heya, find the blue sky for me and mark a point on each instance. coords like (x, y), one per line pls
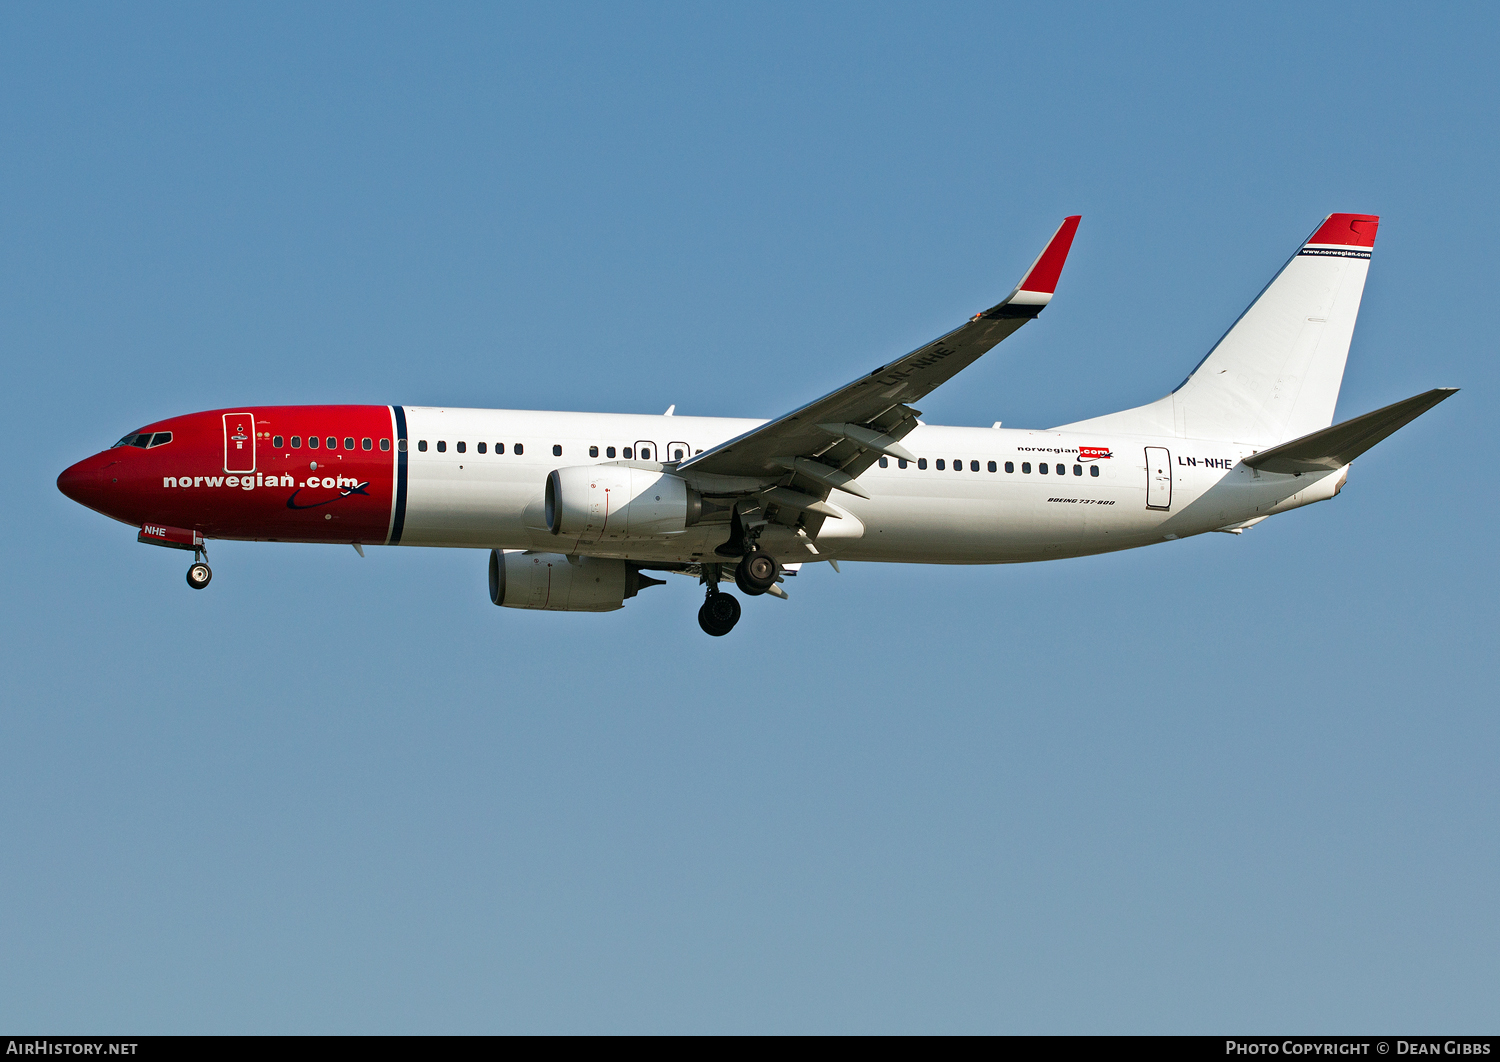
(1231, 783)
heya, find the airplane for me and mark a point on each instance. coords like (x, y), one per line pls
(576, 508)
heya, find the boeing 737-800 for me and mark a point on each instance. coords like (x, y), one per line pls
(575, 508)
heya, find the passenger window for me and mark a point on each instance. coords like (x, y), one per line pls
(1062, 470)
(349, 444)
(974, 466)
(678, 455)
(609, 451)
(993, 467)
(922, 463)
(885, 462)
(645, 453)
(900, 462)
(385, 444)
(1042, 468)
(556, 450)
(499, 448)
(401, 445)
(628, 452)
(365, 444)
(422, 445)
(1026, 467)
(312, 442)
(1093, 470)
(1077, 470)
(518, 449)
(1010, 467)
(333, 444)
(479, 448)
(459, 447)
(296, 442)
(278, 442)
(940, 466)
(593, 451)
(442, 446)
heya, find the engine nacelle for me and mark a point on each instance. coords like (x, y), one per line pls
(556, 583)
(610, 502)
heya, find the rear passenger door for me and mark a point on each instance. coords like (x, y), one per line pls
(1158, 478)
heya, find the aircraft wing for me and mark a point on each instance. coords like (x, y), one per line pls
(828, 442)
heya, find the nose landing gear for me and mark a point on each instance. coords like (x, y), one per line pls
(198, 575)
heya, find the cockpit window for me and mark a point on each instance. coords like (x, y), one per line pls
(161, 438)
(143, 439)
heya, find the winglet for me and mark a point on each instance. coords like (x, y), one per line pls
(1040, 282)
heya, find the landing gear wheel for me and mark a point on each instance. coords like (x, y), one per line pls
(719, 614)
(756, 573)
(199, 575)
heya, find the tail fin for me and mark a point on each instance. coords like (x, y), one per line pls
(1276, 373)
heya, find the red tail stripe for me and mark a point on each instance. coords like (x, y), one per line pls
(1348, 230)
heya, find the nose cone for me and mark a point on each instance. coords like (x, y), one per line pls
(84, 483)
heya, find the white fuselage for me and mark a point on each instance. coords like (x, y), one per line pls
(932, 515)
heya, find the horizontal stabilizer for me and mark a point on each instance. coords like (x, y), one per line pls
(1335, 447)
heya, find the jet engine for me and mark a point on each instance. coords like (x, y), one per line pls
(557, 583)
(609, 502)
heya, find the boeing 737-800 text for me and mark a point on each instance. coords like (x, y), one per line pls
(575, 508)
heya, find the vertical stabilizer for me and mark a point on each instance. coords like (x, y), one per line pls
(1275, 374)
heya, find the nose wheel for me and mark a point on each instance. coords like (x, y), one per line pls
(199, 573)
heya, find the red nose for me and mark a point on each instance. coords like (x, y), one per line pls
(84, 482)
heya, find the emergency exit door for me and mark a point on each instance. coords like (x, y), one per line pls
(239, 442)
(1158, 478)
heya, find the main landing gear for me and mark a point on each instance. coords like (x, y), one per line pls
(199, 573)
(756, 573)
(719, 614)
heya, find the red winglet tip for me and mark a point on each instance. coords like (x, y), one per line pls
(1044, 274)
(1348, 230)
